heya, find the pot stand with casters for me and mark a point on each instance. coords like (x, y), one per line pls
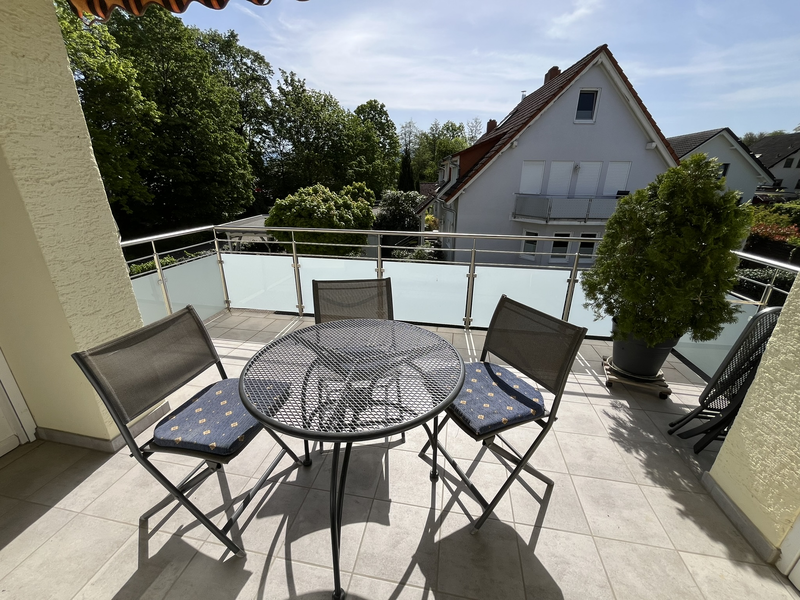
(656, 383)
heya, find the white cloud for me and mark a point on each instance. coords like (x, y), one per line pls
(560, 25)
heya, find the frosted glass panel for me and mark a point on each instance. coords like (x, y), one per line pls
(544, 290)
(428, 293)
(584, 317)
(197, 283)
(708, 356)
(261, 282)
(149, 298)
(331, 268)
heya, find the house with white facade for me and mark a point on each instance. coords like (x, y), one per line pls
(555, 166)
(740, 167)
(781, 155)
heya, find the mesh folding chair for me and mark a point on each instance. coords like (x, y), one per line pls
(723, 395)
(352, 299)
(495, 398)
(135, 372)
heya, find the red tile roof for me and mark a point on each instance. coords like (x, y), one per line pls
(528, 109)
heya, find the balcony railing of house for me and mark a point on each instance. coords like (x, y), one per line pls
(552, 208)
(248, 268)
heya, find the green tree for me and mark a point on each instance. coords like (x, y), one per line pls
(199, 171)
(376, 120)
(406, 181)
(432, 146)
(319, 207)
(398, 211)
(121, 121)
(474, 130)
(750, 138)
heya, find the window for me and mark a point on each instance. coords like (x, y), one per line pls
(723, 172)
(788, 163)
(587, 102)
(529, 246)
(586, 249)
(560, 248)
(532, 177)
(798, 163)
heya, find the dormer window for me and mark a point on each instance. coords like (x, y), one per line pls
(587, 104)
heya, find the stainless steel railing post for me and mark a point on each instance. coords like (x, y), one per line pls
(222, 270)
(573, 278)
(296, 267)
(768, 289)
(470, 287)
(379, 270)
(161, 281)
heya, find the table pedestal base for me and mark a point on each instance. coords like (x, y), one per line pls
(338, 480)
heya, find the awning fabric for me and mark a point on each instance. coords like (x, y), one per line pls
(102, 8)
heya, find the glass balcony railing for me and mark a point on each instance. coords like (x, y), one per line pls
(246, 267)
(550, 208)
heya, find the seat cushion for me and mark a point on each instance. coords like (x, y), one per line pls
(213, 421)
(494, 398)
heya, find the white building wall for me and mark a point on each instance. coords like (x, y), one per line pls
(742, 175)
(616, 135)
(791, 175)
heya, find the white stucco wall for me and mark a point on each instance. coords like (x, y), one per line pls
(758, 466)
(791, 175)
(63, 281)
(742, 175)
(615, 135)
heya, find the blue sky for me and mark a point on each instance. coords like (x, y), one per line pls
(697, 65)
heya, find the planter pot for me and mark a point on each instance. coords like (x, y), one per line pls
(633, 357)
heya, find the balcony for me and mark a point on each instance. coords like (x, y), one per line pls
(544, 209)
(627, 496)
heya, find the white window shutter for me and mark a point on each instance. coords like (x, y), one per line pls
(560, 177)
(588, 177)
(532, 177)
(616, 178)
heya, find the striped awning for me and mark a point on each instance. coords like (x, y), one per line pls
(102, 8)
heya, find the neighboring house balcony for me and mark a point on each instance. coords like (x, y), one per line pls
(544, 209)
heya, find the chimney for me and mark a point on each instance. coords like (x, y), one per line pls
(552, 74)
(491, 124)
(523, 95)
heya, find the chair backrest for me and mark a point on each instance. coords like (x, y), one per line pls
(352, 299)
(739, 366)
(538, 345)
(134, 372)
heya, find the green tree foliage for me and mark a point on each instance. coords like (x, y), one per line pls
(398, 211)
(319, 207)
(121, 121)
(198, 172)
(750, 138)
(313, 139)
(406, 181)
(429, 148)
(665, 265)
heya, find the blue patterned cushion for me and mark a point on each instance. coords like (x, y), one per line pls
(214, 421)
(494, 398)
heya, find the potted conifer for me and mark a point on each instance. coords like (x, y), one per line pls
(664, 266)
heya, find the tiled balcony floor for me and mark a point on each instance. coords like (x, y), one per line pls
(627, 518)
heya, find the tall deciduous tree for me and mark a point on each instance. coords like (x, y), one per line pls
(199, 171)
(406, 181)
(398, 211)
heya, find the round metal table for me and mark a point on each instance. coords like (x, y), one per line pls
(350, 381)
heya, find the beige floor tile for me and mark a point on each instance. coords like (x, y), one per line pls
(406, 479)
(548, 456)
(579, 418)
(561, 565)
(364, 588)
(405, 533)
(69, 558)
(32, 470)
(487, 477)
(7, 504)
(18, 452)
(24, 528)
(479, 566)
(367, 469)
(619, 511)
(658, 465)
(208, 575)
(639, 572)
(722, 579)
(593, 456)
(629, 425)
(560, 510)
(696, 524)
(302, 581)
(309, 537)
(143, 568)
